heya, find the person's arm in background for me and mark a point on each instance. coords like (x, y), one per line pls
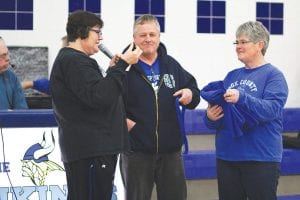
(41, 85)
(27, 84)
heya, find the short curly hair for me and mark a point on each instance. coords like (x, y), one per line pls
(256, 32)
(79, 24)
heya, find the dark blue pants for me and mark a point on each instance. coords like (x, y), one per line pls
(91, 178)
(141, 171)
(242, 180)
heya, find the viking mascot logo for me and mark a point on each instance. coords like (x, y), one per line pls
(35, 163)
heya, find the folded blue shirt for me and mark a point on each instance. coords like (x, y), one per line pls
(236, 120)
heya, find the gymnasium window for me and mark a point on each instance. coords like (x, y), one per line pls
(211, 16)
(271, 15)
(154, 7)
(93, 6)
(16, 15)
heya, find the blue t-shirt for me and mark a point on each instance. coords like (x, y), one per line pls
(152, 73)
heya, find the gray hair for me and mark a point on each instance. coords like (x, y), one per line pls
(256, 32)
(146, 19)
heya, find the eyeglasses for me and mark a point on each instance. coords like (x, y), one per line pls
(241, 42)
(99, 32)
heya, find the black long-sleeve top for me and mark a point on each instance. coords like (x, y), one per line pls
(88, 107)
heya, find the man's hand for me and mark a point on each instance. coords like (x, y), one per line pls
(186, 96)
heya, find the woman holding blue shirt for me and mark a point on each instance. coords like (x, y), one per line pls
(248, 162)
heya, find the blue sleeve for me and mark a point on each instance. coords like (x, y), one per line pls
(274, 97)
(42, 85)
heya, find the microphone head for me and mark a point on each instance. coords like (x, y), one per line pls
(105, 50)
(102, 46)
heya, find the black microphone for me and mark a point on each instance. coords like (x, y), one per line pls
(12, 66)
(105, 50)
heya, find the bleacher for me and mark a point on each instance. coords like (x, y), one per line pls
(201, 164)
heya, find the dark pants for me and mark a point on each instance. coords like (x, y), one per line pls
(140, 172)
(239, 180)
(92, 178)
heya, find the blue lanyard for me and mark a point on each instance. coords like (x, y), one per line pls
(180, 110)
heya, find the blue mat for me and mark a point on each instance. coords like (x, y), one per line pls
(201, 164)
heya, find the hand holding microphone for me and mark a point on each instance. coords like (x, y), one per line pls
(105, 51)
(131, 56)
